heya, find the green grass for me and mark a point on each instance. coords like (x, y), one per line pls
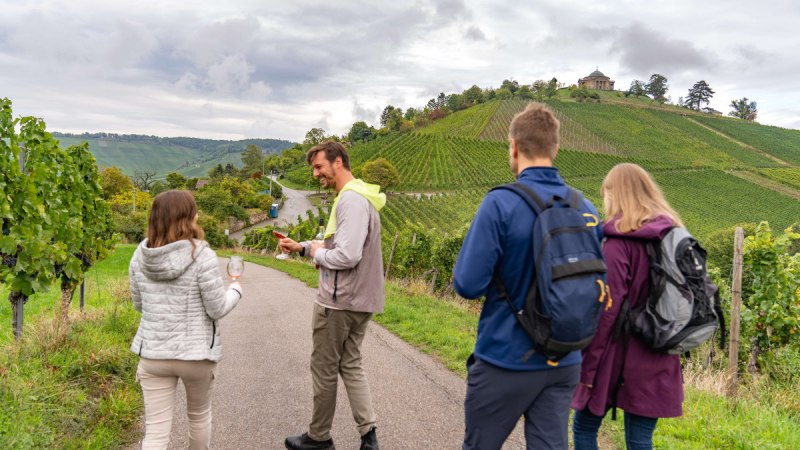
(468, 123)
(77, 389)
(573, 135)
(435, 163)
(709, 200)
(643, 133)
(711, 421)
(787, 176)
(779, 142)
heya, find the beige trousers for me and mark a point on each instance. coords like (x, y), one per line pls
(159, 380)
(337, 337)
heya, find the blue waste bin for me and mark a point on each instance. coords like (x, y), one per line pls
(273, 211)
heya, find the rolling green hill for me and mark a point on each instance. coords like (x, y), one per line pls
(437, 163)
(191, 157)
(698, 159)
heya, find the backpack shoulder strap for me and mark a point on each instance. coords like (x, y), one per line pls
(574, 198)
(531, 198)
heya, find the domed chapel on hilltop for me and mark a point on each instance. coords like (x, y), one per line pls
(597, 80)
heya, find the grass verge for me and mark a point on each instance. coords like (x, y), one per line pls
(72, 388)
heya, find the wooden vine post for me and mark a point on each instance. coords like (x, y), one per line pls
(736, 305)
(391, 255)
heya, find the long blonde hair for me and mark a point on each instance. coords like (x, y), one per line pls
(172, 218)
(632, 197)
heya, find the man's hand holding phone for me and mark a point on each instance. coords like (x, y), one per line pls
(288, 245)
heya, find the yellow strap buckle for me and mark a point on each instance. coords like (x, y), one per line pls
(602, 291)
(594, 222)
(552, 363)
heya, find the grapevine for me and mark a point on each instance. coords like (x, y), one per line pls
(56, 204)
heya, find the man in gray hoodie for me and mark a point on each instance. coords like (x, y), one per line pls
(350, 291)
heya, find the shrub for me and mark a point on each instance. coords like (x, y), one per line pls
(131, 226)
(719, 246)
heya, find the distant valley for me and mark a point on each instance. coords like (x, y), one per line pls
(191, 157)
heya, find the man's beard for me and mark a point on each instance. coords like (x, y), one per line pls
(513, 164)
(329, 182)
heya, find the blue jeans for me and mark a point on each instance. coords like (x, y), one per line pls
(638, 431)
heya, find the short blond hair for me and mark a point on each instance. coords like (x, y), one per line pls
(631, 196)
(535, 131)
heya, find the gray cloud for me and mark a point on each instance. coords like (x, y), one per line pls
(263, 68)
(644, 50)
(474, 33)
(366, 114)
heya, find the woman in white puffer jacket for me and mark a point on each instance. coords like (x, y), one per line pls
(177, 286)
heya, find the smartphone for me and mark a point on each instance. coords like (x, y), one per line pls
(278, 234)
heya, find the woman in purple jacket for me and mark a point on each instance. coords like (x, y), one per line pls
(636, 211)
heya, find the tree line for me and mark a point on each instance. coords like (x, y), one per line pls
(699, 94)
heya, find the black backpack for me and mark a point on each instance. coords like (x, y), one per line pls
(568, 292)
(683, 308)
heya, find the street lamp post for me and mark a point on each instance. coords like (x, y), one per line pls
(264, 172)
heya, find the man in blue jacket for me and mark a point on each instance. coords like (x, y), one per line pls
(504, 381)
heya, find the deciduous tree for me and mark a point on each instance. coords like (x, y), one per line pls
(113, 181)
(473, 95)
(391, 118)
(144, 178)
(381, 172)
(361, 132)
(510, 85)
(637, 89)
(252, 158)
(314, 136)
(744, 109)
(552, 88)
(176, 181)
(657, 87)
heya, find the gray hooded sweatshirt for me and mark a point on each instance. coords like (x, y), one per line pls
(181, 295)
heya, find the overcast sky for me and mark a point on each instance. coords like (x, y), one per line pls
(274, 69)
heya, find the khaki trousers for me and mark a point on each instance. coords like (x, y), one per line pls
(159, 380)
(337, 337)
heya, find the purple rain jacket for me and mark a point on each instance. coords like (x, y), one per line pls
(653, 381)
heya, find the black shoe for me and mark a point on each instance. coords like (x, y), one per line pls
(303, 442)
(369, 441)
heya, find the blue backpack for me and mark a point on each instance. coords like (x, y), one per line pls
(568, 292)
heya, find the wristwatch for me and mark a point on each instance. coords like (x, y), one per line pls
(302, 250)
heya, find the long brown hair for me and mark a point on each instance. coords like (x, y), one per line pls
(172, 218)
(631, 196)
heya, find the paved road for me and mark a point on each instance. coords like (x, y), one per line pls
(263, 386)
(295, 203)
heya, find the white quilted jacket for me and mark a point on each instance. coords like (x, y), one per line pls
(181, 299)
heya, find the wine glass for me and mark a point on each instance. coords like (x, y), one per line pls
(235, 267)
(280, 234)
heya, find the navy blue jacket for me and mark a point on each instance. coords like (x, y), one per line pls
(500, 239)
